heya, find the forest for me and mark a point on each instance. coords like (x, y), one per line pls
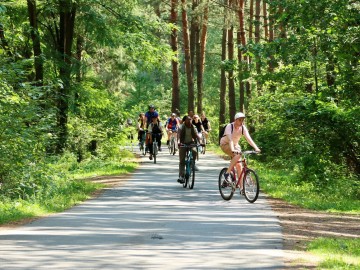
(73, 71)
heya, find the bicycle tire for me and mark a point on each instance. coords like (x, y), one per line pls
(154, 151)
(203, 150)
(191, 180)
(226, 190)
(170, 147)
(173, 147)
(186, 177)
(251, 186)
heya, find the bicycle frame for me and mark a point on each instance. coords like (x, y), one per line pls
(247, 181)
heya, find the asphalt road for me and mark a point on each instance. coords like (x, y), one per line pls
(152, 222)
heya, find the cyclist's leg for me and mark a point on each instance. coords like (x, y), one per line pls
(234, 158)
(169, 134)
(182, 154)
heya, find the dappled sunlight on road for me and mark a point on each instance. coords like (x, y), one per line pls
(151, 221)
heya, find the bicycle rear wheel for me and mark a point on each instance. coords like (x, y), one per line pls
(203, 142)
(226, 189)
(191, 180)
(251, 185)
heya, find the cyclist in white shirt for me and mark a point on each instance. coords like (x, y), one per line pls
(229, 143)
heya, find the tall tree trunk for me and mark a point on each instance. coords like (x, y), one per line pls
(232, 100)
(38, 63)
(194, 34)
(241, 58)
(67, 11)
(175, 104)
(257, 41)
(265, 19)
(201, 59)
(189, 76)
(251, 19)
(222, 105)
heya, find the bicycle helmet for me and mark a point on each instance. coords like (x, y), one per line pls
(151, 107)
(239, 115)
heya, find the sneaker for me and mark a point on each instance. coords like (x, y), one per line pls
(159, 149)
(181, 180)
(196, 168)
(150, 157)
(242, 192)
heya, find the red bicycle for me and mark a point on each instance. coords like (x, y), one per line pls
(249, 178)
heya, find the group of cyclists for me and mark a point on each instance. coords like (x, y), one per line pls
(190, 129)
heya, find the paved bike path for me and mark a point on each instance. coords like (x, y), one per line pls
(152, 222)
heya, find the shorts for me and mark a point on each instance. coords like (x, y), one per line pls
(227, 150)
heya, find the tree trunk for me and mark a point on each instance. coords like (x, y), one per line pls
(257, 41)
(241, 59)
(201, 59)
(175, 104)
(222, 105)
(194, 35)
(38, 63)
(265, 19)
(67, 12)
(232, 100)
(189, 76)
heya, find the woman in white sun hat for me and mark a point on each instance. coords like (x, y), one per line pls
(229, 143)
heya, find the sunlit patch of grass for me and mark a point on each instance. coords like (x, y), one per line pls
(337, 253)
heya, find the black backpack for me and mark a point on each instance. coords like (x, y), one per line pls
(222, 131)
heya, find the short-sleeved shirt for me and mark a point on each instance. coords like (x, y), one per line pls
(172, 123)
(197, 125)
(205, 123)
(155, 128)
(235, 134)
(150, 115)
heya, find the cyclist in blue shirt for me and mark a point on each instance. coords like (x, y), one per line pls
(172, 125)
(150, 114)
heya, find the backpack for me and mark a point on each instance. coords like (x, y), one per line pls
(222, 131)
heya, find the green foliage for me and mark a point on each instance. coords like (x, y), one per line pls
(338, 253)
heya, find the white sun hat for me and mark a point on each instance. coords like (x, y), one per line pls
(239, 115)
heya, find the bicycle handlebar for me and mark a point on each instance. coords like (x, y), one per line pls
(248, 152)
(191, 145)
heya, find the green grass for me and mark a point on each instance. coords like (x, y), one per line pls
(58, 187)
(336, 253)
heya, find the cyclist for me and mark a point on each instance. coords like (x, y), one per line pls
(206, 125)
(198, 124)
(155, 130)
(229, 143)
(141, 126)
(187, 135)
(150, 114)
(171, 126)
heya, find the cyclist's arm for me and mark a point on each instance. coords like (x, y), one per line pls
(249, 139)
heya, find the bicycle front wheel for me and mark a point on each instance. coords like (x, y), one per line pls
(173, 149)
(155, 151)
(226, 189)
(251, 185)
(191, 180)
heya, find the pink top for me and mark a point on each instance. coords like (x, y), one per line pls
(235, 137)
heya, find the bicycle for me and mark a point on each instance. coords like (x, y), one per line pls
(155, 149)
(173, 144)
(189, 178)
(142, 143)
(248, 177)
